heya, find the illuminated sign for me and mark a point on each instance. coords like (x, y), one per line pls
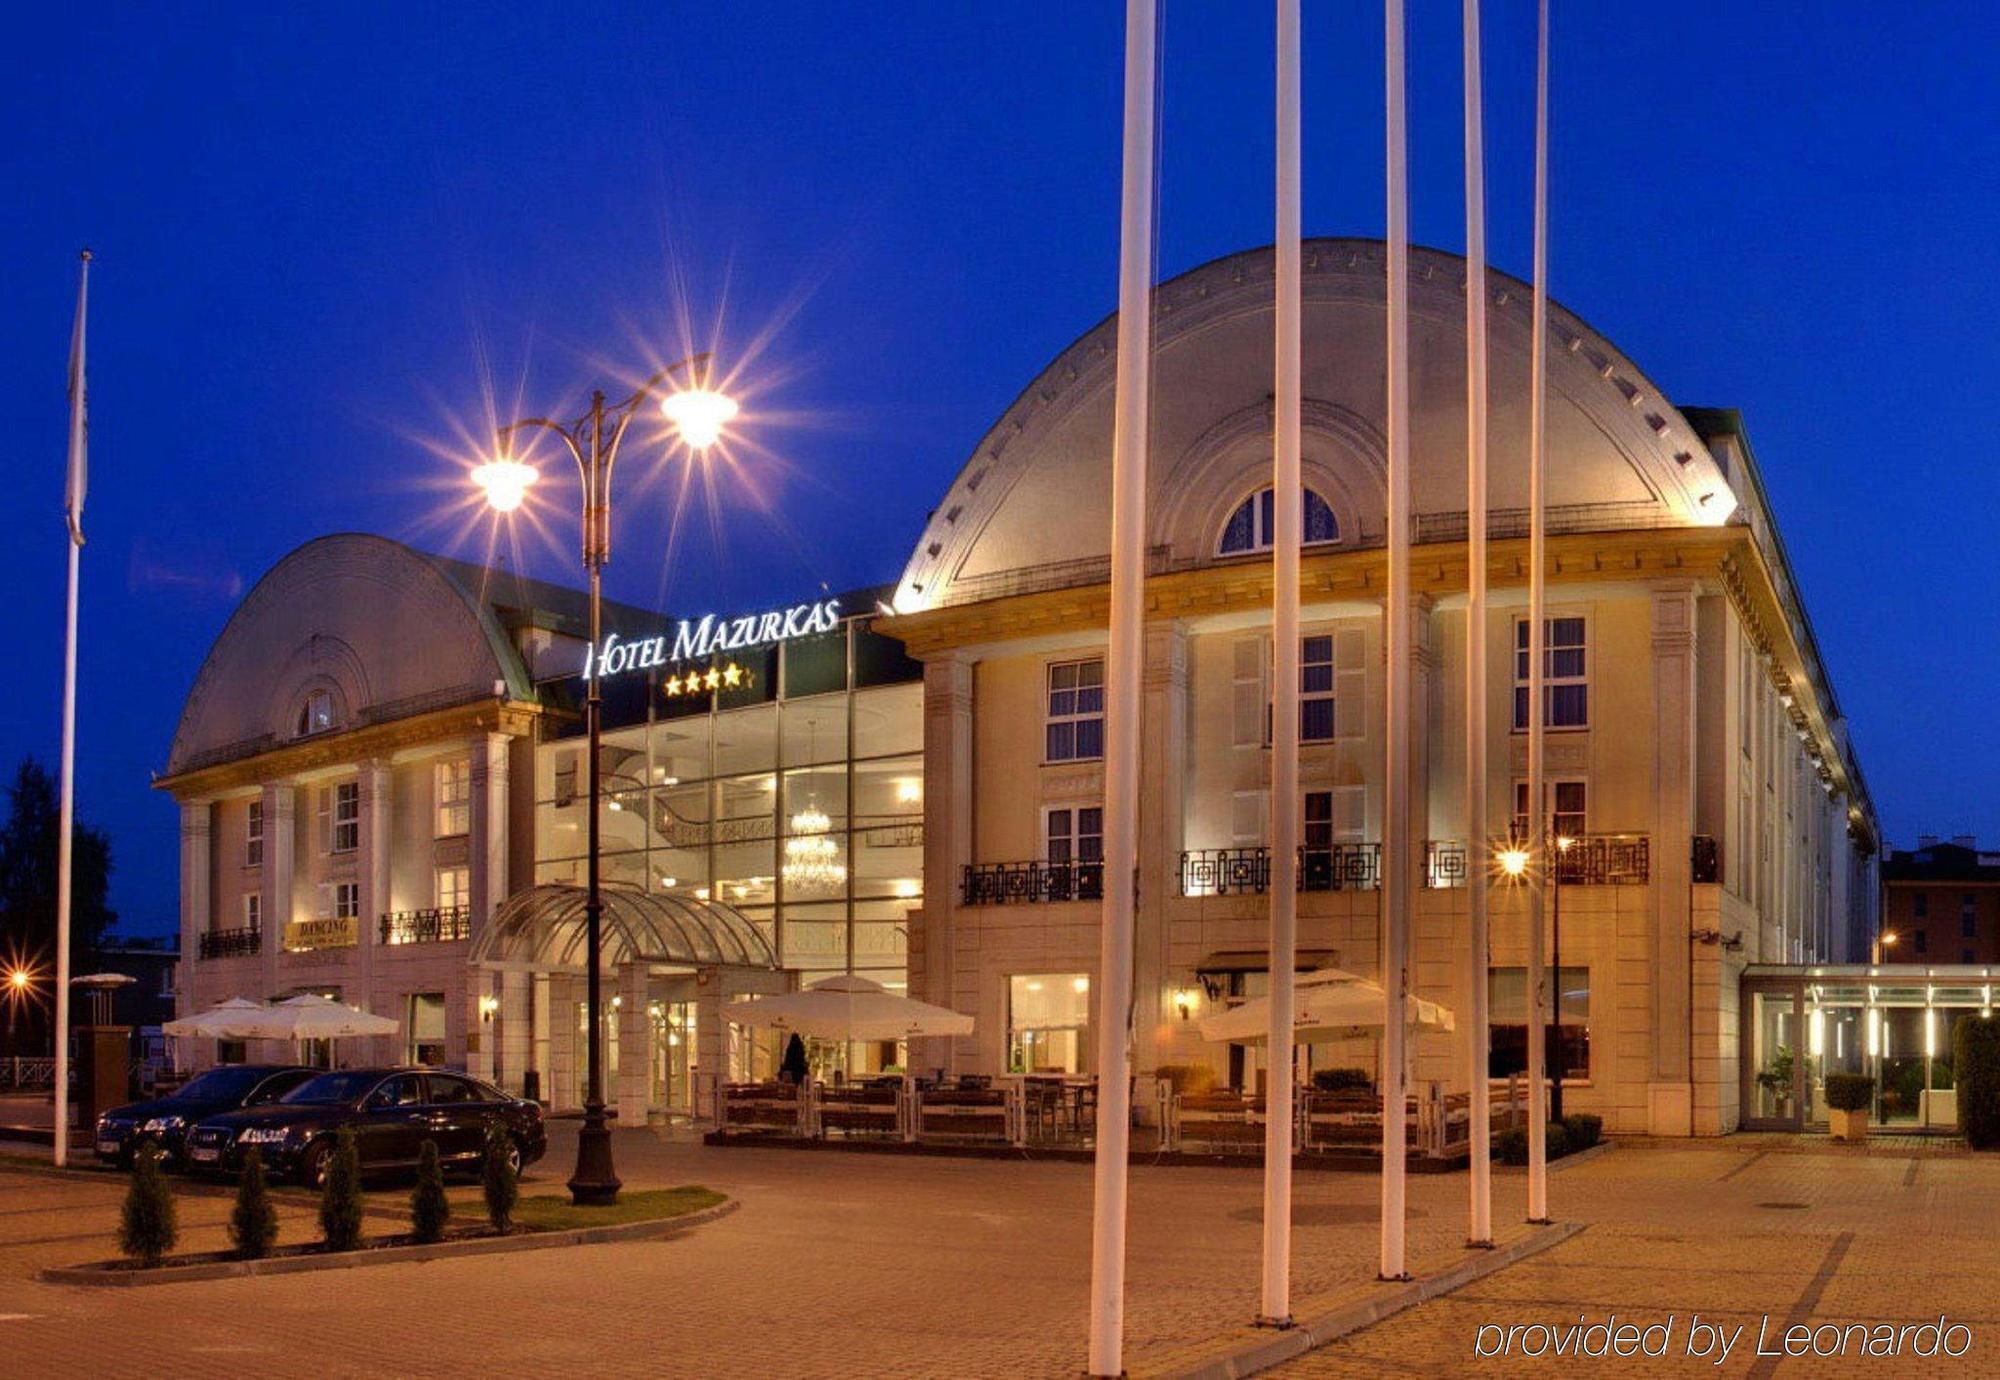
(708, 635)
(325, 932)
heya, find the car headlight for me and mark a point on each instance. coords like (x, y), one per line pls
(164, 1123)
(264, 1135)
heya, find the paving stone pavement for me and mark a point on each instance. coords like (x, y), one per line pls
(844, 1265)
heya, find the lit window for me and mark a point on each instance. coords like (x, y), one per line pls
(1566, 662)
(454, 888)
(452, 783)
(1048, 1015)
(1250, 527)
(316, 714)
(253, 835)
(1076, 711)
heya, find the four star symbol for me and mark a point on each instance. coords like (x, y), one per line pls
(695, 682)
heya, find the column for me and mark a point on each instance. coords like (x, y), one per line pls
(540, 1058)
(378, 815)
(629, 1096)
(1162, 779)
(197, 915)
(277, 880)
(560, 1089)
(948, 767)
(1671, 1095)
(711, 1042)
(482, 1021)
(516, 1030)
(489, 826)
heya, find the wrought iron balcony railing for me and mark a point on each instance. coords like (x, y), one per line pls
(241, 943)
(437, 925)
(1605, 860)
(1026, 883)
(1240, 871)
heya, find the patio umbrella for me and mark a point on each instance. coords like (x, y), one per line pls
(1328, 1005)
(849, 1008)
(217, 1022)
(313, 1017)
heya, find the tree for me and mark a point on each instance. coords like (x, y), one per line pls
(146, 1226)
(498, 1180)
(340, 1201)
(430, 1209)
(253, 1223)
(28, 847)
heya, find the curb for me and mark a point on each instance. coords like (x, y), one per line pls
(1603, 1147)
(658, 1229)
(1309, 1336)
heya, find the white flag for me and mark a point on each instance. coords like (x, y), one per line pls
(79, 424)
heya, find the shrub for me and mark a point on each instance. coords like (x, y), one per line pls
(497, 1179)
(1849, 1092)
(1511, 1147)
(1342, 1080)
(253, 1222)
(1189, 1080)
(1585, 1130)
(430, 1210)
(340, 1202)
(146, 1229)
(1975, 1055)
(1558, 1141)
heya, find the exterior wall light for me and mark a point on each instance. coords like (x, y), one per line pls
(1184, 1000)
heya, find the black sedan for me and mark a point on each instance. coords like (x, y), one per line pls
(393, 1112)
(164, 1121)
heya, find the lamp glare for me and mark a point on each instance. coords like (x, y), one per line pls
(699, 415)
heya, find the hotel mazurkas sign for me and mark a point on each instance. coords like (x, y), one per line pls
(697, 639)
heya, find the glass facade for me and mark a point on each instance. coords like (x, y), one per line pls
(788, 784)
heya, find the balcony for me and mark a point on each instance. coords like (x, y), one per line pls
(1342, 867)
(437, 925)
(243, 943)
(1605, 860)
(1029, 883)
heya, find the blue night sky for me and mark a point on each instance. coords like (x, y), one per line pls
(332, 240)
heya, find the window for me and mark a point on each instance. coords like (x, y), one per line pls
(1318, 832)
(1968, 926)
(253, 835)
(1567, 806)
(451, 782)
(1251, 526)
(1316, 689)
(253, 911)
(1047, 1015)
(423, 1014)
(1920, 904)
(1507, 994)
(1922, 941)
(453, 888)
(1075, 834)
(315, 715)
(1076, 711)
(1566, 666)
(404, 1090)
(445, 1089)
(347, 900)
(346, 817)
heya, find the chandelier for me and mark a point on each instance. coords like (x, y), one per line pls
(812, 856)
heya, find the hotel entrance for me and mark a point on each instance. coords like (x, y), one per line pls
(1891, 1023)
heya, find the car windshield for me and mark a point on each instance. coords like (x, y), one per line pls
(332, 1088)
(222, 1085)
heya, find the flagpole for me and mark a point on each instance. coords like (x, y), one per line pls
(1122, 675)
(1287, 506)
(1477, 845)
(64, 880)
(1538, 819)
(1396, 868)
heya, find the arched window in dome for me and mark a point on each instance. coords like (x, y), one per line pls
(1250, 527)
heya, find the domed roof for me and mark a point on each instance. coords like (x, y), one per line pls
(1034, 498)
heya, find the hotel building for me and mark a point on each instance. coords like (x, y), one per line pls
(378, 767)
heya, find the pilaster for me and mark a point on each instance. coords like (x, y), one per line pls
(516, 1030)
(489, 827)
(1162, 781)
(633, 1054)
(377, 784)
(948, 804)
(197, 902)
(1673, 647)
(278, 881)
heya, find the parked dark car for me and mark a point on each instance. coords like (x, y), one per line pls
(164, 1121)
(393, 1112)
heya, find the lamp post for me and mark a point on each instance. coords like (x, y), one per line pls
(1885, 940)
(697, 414)
(1561, 1061)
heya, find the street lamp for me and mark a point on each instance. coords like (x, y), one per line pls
(1563, 844)
(1885, 941)
(697, 414)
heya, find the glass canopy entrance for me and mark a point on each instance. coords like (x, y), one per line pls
(1890, 1022)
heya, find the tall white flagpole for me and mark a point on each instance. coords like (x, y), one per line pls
(1122, 709)
(76, 476)
(1476, 833)
(1287, 506)
(1396, 866)
(1539, 839)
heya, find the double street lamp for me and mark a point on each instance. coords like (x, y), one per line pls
(697, 414)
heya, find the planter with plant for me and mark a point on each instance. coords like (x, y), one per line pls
(1848, 1096)
(1777, 1081)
